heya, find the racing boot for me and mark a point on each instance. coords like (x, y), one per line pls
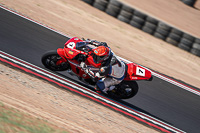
(97, 89)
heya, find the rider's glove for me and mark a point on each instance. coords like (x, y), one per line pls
(83, 65)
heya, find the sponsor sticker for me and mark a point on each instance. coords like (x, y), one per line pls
(70, 52)
(95, 51)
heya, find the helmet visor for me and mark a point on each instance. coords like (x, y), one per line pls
(99, 59)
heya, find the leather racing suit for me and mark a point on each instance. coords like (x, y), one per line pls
(111, 72)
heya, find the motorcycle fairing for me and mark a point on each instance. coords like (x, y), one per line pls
(61, 53)
(136, 72)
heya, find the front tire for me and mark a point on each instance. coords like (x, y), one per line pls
(49, 60)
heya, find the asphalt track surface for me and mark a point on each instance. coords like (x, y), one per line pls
(158, 98)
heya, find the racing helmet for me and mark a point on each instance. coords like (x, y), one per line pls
(101, 54)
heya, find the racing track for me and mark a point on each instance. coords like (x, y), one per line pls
(160, 99)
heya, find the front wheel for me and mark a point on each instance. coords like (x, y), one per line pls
(50, 59)
(125, 90)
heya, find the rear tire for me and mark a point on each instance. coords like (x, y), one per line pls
(49, 60)
(126, 90)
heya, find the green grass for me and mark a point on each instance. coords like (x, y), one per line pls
(12, 121)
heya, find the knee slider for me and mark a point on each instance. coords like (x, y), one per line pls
(100, 85)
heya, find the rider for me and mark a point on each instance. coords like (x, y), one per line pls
(111, 71)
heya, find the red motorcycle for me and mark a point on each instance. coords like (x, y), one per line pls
(76, 50)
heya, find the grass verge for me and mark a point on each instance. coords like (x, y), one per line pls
(12, 121)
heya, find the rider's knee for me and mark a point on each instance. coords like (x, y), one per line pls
(100, 85)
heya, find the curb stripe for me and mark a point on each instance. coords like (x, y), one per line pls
(116, 106)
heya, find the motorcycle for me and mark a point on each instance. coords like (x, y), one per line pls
(76, 51)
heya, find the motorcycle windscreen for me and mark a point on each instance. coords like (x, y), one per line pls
(81, 45)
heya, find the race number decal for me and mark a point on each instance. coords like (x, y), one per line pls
(71, 45)
(140, 71)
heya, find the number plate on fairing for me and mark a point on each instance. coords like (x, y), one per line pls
(140, 71)
(71, 45)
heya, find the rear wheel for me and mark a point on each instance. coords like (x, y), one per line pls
(124, 90)
(50, 59)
